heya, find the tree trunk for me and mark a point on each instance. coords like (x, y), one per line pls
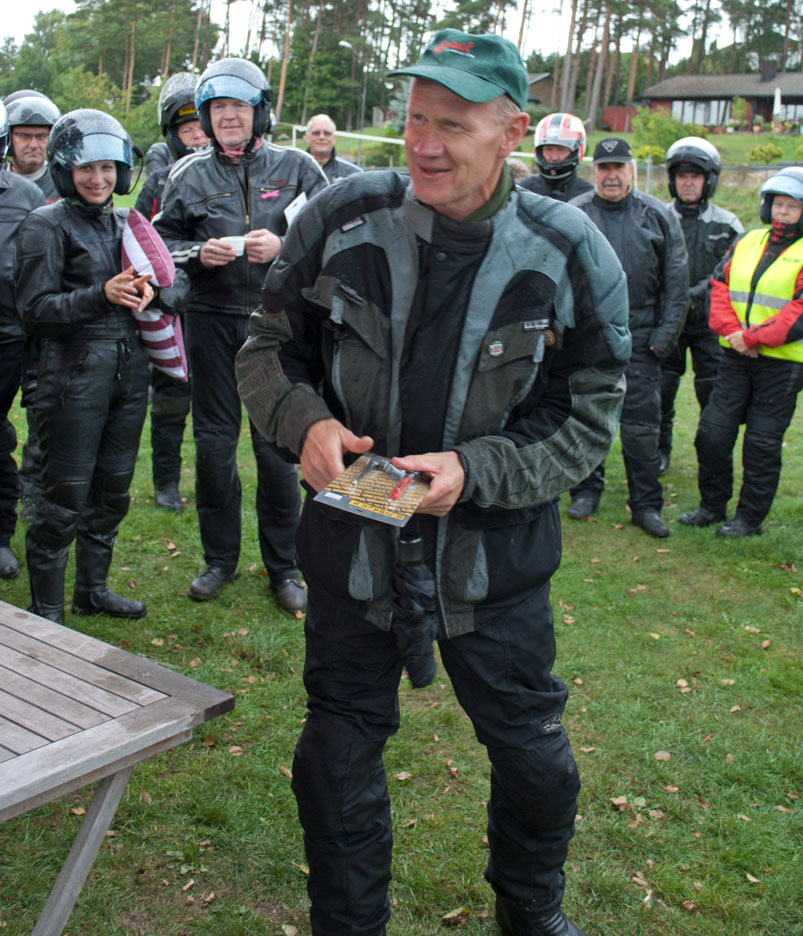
(567, 60)
(313, 50)
(631, 78)
(613, 66)
(285, 59)
(572, 93)
(524, 16)
(787, 26)
(129, 78)
(600, 69)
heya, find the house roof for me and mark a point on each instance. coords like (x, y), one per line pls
(726, 86)
(535, 77)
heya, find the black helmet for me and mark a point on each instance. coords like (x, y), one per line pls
(177, 106)
(85, 136)
(696, 154)
(789, 181)
(3, 130)
(559, 130)
(234, 78)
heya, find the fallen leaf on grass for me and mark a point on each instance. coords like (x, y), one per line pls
(188, 885)
(158, 642)
(743, 817)
(751, 630)
(409, 824)
(753, 880)
(734, 708)
(702, 802)
(783, 809)
(301, 867)
(235, 751)
(568, 619)
(145, 797)
(403, 775)
(727, 682)
(456, 917)
(78, 811)
(578, 681)
(657, 814)
(588, 750)
(194, 663)
(286, 772)
(209, 740)
(765, 644)
(289, 930)
(671, 789)
(209, 898)
(619, 802)
(189, 900)
(665, 550)
(662, 755)
(788, 566)
(689, 905)
(132, 584)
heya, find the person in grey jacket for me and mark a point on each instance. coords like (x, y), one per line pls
(321, 136)
(648, 241)
(18, 197)
(224, 213)
(692, 171)
(480, 332)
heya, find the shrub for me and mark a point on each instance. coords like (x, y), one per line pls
(765, 153)
(739, 110)
(693, 129)
(658, 155)
(656, 128)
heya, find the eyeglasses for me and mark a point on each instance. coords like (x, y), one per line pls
(317, 133)
(26, 137)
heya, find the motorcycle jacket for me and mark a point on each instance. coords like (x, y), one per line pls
(708, 231)
(65, 254)
(564, 189)
(18, 197)
(504, 340)
(648, 241)
(207, 195)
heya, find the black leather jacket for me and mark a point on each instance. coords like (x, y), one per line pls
(18, 197)
(708, 230)
(206, 195)
(65, 254)
(563, 189)
(648, 241)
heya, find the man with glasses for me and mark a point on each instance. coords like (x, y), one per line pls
(321, 136)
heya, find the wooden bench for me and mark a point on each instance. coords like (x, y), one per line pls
(74, 710)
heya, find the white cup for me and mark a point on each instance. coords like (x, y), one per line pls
(237, 241)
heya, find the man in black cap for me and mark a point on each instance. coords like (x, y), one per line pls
(480, 332)
(648, 240)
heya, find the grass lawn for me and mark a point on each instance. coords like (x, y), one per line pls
(689, 646)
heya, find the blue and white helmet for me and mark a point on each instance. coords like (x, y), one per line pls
(788, 181)
(234, 78)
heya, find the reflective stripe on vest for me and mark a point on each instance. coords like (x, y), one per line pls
(774, 289)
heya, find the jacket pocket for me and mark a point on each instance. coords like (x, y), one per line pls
(497, 556)
(505, 371)
(360, 365)
(346, 555)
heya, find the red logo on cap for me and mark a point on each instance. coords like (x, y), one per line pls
(453, 45)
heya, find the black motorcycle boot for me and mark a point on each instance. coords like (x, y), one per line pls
(518, 920)
(92, 595)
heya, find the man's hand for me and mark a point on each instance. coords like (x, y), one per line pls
(737, 342)
(216, 253)
(261, 246)
(324, 446)
(447, 479)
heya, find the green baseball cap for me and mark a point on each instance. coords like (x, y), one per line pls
(475, 68)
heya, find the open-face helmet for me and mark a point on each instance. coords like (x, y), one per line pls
(789, 181)
(695, 155)
(234, 78)
(560, 130)
(27, 108)
(83, 136)
(177, 106)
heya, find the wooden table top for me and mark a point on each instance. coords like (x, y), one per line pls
(74, 709)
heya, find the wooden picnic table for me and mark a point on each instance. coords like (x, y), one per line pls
(73, 710)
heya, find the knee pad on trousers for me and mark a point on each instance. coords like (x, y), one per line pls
(639, 440)
(541, 786)
(54, 526)
(8, 437)
(338, 779)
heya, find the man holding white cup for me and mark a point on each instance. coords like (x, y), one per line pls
(224, 213)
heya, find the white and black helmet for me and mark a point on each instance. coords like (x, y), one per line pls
(84, 136)
(239, 79)
(3, 130)
(27, 108)
(177, 106)
(560, 130)
(694, 154)
(788, 181)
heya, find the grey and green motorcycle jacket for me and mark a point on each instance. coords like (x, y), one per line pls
(532, 382)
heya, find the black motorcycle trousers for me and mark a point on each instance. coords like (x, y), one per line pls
(502, 677)
(212, 345)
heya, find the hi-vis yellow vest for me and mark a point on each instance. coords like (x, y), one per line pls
(773, 290)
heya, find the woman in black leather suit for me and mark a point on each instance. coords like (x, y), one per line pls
(73, 292)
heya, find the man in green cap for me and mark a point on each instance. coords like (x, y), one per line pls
(477, 335)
